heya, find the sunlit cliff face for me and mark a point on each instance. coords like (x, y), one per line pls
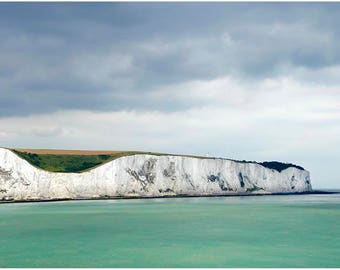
(147, 176)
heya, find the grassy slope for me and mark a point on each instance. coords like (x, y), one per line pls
(79, 163)
(68, 163)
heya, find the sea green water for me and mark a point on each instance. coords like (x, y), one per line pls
(261, 231)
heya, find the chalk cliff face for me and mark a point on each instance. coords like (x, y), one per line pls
(144, 176)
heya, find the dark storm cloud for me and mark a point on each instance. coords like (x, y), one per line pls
(113, 56)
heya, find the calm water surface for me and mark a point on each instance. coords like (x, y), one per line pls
(265, 231)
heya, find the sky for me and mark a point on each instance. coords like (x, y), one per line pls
(247, 81)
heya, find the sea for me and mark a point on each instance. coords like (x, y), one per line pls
(247, 231)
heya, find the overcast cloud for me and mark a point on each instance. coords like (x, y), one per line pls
(239, 80)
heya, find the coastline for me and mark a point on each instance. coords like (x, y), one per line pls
(314, 192)
(134, 177)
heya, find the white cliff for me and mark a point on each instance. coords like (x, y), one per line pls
(146, 176)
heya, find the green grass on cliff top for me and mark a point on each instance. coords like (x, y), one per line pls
(70, 163)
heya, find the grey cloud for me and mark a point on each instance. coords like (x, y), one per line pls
(113, 56)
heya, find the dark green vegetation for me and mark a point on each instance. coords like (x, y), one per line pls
(274, 165)
(279, 166)
(80, 163)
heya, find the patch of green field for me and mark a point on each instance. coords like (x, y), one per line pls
(68, 163)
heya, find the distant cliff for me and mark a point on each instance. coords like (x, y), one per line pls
(144, 175)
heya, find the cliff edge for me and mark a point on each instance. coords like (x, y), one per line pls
(146, 175)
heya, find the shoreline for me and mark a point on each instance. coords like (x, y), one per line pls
(314, 192)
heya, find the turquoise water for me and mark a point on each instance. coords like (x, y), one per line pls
(261, 231)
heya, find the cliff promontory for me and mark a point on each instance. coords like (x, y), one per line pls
(148, 175)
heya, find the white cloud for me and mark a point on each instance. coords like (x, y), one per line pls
(101, 67)
(273, 119)
(227, 39)
(284, 97)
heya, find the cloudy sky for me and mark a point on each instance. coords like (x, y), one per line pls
(239, 80)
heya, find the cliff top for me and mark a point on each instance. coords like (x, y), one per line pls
(54, 160)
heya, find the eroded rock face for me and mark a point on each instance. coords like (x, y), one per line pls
(223, 184)
(146, 175)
